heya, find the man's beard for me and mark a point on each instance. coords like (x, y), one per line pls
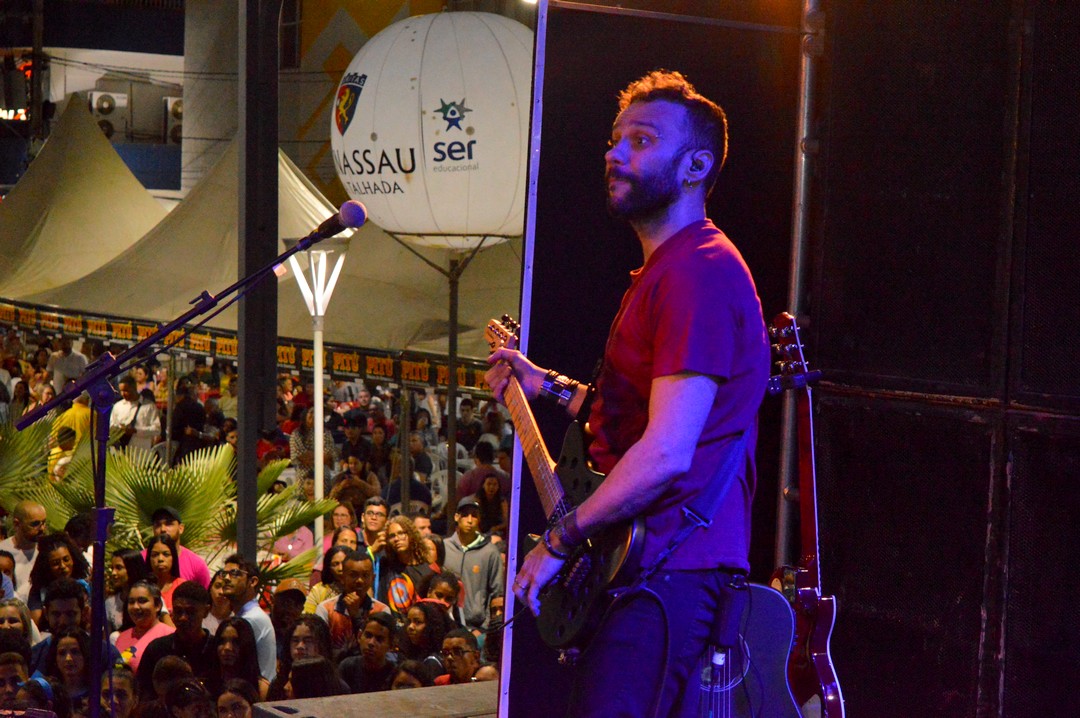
(646, 196)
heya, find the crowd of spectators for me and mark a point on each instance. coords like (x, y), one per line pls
(404, 595)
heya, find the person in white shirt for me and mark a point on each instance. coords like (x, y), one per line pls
(140, 420)
(28, 521)
(65, 365)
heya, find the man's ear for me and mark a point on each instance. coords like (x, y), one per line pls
(701, 163)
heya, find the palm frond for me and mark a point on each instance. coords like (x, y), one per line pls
(202, 483)
(132, 478)
(23, 459)
(299, 566)
(286, 519)
(269, 474)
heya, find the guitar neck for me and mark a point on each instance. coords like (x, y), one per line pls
(808, 517)
(532, 445)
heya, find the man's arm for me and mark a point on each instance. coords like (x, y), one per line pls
(678, 408)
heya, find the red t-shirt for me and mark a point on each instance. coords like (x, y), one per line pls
(692, 307)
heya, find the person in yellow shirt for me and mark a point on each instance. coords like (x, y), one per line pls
(76, 418)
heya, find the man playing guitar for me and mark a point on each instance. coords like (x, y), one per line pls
(685, 370)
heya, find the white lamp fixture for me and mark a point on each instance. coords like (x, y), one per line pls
(317, 293)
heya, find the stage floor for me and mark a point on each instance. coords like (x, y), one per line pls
(472, 700)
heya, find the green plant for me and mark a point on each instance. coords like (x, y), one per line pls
(201, 488)
(23, 456)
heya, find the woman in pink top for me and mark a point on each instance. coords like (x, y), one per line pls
(143, 606)
(163, 561)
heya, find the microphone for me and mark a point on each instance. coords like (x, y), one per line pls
(352, 215)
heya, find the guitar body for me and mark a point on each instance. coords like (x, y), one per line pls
(810, 669)
(768, 629)
(572, 604)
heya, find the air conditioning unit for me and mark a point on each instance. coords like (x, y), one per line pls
(110, 110)
(174, 119)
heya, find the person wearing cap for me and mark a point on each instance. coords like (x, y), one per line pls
(288, 606)
(472, 556)
(190, 641)
(166, 520)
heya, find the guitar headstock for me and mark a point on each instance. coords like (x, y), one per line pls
(501, 333)
(794, 370)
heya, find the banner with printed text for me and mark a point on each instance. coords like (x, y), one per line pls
(294, 356)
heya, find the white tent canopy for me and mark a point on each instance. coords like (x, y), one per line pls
(76, 208)
(386, 298)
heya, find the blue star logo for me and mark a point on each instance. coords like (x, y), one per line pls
(453, 112)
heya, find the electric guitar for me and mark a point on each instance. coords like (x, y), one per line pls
(571, 605)
(810, 669)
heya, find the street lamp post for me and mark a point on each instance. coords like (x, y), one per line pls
(317, 293)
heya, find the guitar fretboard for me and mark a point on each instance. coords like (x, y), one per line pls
(536, 454)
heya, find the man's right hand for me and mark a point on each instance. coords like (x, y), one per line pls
(353, 602)
(379, 542)
(502, 362)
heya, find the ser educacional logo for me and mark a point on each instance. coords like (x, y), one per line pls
(452, 112)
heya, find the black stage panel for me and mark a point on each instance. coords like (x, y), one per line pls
(904, 493)
(918, 98)
(1042, 675)
(1047, 264)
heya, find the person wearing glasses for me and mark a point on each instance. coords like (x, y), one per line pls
(461, 654)
(29, 526)
(242, 589)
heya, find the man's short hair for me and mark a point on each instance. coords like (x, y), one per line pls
(485, 452)
(385, 620)
(708, 123)
(466, 402)
(64, 588)
(466, 634)
(377, 501)
(192, 591)
(246, 566)
(80, 528)
(356, 555)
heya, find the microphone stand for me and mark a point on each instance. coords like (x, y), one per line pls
(95, 381)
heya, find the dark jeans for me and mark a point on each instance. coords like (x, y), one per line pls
(622, 670)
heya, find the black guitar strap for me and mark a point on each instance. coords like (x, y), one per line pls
(702, 510)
